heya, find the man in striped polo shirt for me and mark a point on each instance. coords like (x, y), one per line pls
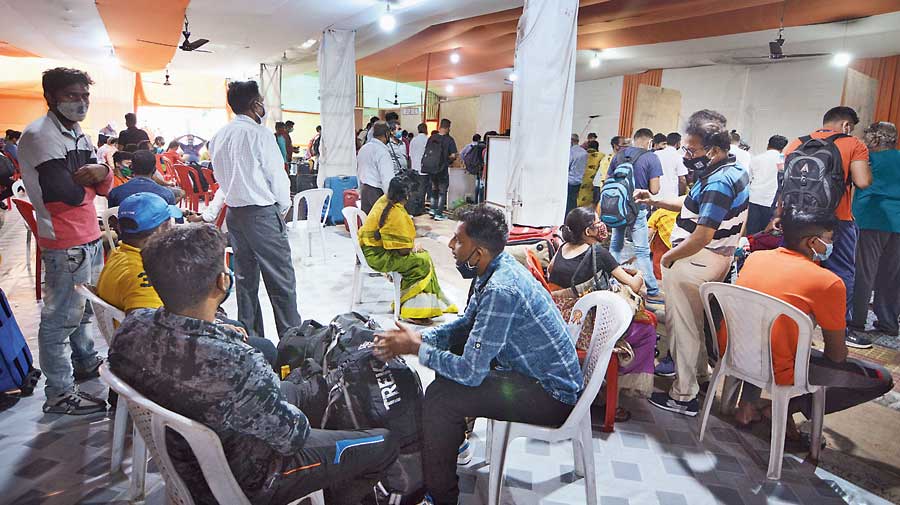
(706, 234)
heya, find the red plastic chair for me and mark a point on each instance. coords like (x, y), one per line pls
(210, 180)
(185, 180)
(220, 219)
(27, 211)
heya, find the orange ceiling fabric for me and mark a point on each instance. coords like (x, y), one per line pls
(488, 42)
(630, 86)
(505, 111)
(887, 71)
(7, 49)
(158, 21)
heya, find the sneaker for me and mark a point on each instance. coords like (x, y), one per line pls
(665, 402)
(74, 403)
(88, 373)
(665, 368)
(656, 299)
(439, 217)
(858, 340)
(464, 457)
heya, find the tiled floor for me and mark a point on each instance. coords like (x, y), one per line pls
(653, 459)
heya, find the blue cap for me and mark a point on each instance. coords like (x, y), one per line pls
(147, 210)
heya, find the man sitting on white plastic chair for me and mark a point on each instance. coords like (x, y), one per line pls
(791, 274)
(180, 358)
(511, 320)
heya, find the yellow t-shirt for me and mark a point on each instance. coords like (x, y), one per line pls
(123, 282)
(663, 221)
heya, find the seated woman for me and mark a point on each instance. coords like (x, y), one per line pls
(582, 259)
(387, 239)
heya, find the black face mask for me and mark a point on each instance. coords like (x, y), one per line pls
(697, 164)
(466, 270)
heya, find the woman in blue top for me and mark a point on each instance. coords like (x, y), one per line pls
(877, 213)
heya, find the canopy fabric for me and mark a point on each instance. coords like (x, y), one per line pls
(159, 22)
(337, 92)
(7, 49)
(270, 89)
(543, 98)
(629, 97)
(190, 90)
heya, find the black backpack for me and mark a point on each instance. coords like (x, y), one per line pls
(617, 205)
(362, 392)
(433, 159)
(813, 178)
(474, 159)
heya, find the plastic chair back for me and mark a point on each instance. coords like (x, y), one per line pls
(612, 317)
(18, 186)
(106, 314)
(106, 227)
(26, 209)
(318, 203)
(354, 217)
(749, 316)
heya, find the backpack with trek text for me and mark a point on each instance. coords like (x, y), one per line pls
(474, 159)
(813, 178)
(433, 159)
(617, 206)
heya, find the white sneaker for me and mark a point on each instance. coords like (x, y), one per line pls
(465, 454)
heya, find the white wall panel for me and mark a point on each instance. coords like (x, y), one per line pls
(603, 97)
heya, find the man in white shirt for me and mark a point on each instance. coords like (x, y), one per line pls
(250, 170)
(674, 178)
(742, 156)
(374, 167)
(764, 183)
(418, 192)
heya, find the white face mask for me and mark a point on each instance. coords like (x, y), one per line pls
(73, 111)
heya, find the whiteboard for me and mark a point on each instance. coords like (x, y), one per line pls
(498, 162)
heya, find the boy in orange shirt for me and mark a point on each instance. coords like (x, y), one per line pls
(820, 294)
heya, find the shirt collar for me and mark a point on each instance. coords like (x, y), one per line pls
(186, 325)
(245, 119)
(62, 129)
(492, 267)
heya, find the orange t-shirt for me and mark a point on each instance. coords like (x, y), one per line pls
(852, 149)
(797, 280)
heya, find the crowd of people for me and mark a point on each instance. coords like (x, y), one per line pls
(695, 200)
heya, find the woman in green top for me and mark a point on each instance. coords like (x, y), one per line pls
(877, 213)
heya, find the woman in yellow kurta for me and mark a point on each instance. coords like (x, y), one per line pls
(388, 242)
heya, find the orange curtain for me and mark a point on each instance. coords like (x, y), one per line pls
(629, 96)
(505, 111)
(887, 71)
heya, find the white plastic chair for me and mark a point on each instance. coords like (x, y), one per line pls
(106, 316)
(152, 421)
(18, 186)
(749, 316)
(105, 229)
(354, 216)
(612, 320)
(318, 202)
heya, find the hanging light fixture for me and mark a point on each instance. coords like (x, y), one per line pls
(513, 77)
(387, 21)
(842, 58)
(449, 88)
(596, 60)
(454, 57)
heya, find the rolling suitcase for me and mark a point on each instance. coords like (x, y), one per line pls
(339, 184)
(351, 196)
(16, 365)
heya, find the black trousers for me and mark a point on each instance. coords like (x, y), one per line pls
(504, 395)
(368, 195)
(571, 197)
(758, 218)
(346, 464)
(878, 269)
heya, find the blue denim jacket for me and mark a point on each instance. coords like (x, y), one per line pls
(512, 318)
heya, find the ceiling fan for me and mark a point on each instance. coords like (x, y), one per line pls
(776, 47)
(396, 101)
(165, 83)
(187, 45)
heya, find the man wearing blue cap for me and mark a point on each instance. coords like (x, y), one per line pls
(123, 282)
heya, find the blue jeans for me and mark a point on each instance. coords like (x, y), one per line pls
(843, 260)
(65, 315)
(641, 238)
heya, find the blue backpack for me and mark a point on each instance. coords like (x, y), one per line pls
(617, 206)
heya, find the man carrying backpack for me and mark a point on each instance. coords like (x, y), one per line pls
(645, 172)
(473, 157)
(846, 164)
(440, 151)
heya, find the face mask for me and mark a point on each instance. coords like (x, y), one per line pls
(829, 248)
(466, 270)
(697, 164)
(126, 171)
(261, 118)
(398, 135)
(230, 285)
(73, 111)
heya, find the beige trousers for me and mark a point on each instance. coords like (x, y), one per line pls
(684, 317)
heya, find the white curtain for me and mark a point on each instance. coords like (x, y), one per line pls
(337, 92)
(270, 89)
(543, 96)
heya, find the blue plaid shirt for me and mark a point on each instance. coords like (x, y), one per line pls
(510, 318)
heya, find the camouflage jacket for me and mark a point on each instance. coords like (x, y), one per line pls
(207, 373)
